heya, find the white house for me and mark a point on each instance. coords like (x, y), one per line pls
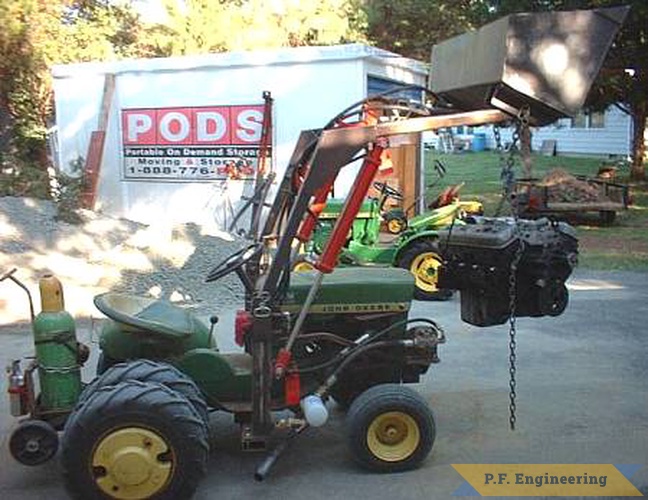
(606, 133)
(169, 122)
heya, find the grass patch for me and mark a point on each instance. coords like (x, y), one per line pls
(622, 245)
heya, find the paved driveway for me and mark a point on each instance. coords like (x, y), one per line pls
(582, 398)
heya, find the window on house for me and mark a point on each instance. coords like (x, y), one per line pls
(593, 119)
(597, 119)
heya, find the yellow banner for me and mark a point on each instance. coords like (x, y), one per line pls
(547, 480)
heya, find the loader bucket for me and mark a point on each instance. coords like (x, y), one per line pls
(546, 61)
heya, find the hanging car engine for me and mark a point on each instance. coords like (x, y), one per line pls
(482, 255)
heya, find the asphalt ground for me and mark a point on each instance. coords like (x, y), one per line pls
(582, 398)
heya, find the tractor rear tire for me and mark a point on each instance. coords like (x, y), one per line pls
(145, 370)
(423, 260)
(390, 428)
(134, 440)
(104, 362)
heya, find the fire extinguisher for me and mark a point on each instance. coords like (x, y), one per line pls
(17, 390)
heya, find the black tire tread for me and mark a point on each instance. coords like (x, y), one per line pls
(146, 370)
(151, 404)
(379, 399)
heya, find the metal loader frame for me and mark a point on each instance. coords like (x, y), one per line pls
(317, 160)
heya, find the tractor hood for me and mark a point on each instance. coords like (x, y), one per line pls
(546, 61)
(352, 290)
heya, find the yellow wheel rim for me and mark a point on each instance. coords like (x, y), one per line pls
(132, 463)
(395, 226)
(425, 268)
(393, 436)
(303, 266)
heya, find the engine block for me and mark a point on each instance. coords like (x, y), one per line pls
(488, 259)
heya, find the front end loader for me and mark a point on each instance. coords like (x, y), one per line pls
(140, 429)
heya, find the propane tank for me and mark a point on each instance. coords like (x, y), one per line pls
(57, 350)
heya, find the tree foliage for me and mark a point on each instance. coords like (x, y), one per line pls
(36, 34)
(203, 26)
(623, 80)
(412, 27)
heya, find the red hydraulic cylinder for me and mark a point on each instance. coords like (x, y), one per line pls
(319, 202)
(327, 260)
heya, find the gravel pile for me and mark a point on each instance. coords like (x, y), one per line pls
(104, 254)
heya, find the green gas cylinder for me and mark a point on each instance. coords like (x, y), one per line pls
(57, 350)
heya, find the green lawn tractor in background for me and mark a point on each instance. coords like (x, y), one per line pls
(395, 219)
(412, 244)
(140, 428)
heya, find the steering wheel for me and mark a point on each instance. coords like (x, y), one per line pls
(235, 263)
(386, 189)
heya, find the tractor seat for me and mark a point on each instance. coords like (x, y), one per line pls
(153, 315)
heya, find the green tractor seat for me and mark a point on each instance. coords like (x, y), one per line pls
(158, 317)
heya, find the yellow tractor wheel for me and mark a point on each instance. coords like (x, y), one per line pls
(423, 260)
(302, 266)
(396, 225)
(134, 440)
(390, 428)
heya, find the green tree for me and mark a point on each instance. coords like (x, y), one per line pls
(623, 80)
(35, 35)
(203, 26)
(412, 27)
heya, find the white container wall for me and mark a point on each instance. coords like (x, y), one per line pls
(309, 85)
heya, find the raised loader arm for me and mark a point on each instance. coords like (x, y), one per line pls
(517, 76)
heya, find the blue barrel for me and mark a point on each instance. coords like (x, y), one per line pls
(478, 142)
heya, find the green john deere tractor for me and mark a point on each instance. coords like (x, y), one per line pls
(139, 429)
(411, 244)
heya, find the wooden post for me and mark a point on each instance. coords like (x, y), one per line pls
(94, 157)
(525, 150)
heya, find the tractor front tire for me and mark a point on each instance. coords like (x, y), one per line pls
(134, 440)
(145, 370)
(423, 260)
(395, 224)
(390, 428)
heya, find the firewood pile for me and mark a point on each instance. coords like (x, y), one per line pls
(563, 187)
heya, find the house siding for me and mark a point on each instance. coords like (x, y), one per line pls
(613, 139)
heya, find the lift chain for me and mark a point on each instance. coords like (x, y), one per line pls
(512, 328)
(507, 164)
(507, 176)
